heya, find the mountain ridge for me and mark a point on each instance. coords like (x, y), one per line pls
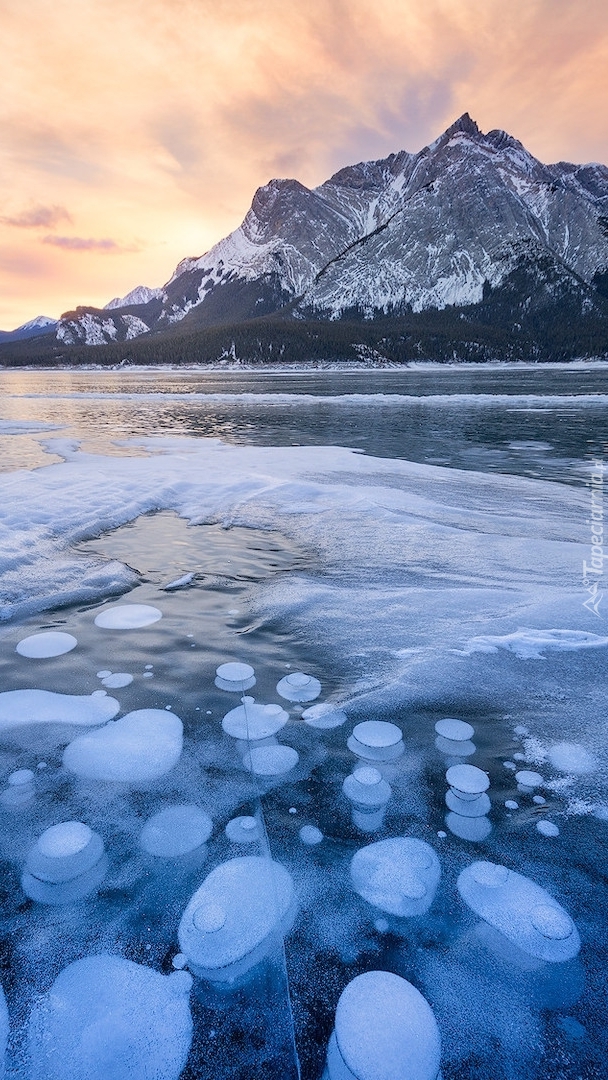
(462, 220)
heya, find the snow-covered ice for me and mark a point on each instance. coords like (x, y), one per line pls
(137, 748)
(572, 758)
(106, 1018)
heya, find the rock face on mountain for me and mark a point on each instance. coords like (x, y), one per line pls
(468, 216)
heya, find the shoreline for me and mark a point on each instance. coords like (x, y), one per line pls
(316, 367)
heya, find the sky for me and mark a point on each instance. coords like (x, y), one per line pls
(135, 132)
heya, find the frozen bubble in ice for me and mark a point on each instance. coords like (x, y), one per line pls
(270, 760)
(292, 810)
(138, 748)
(103, 674)
(521, 730)
(519, 757)
(310, 835)
(520, 910)
(399, 875)
(175, 831)
(127, 616)
(118, 679)
(20, 790)
(366, 788)
(243, 830)
(65, 892)
(441, 834)
(21, 777)
(297, 686)
(538, 799)
(149, 667)
(324, 716)
(468, 807)
(64, 851)
(252, 721)
(454, 730)
(148, 675)
(454, 749)
(511, 804)
(384, 1030)
(572, 758)
(234, 677)
(106, 1018)
(20, 707)
(47, 644)
(527, 781)
(510, 765)
(376, 740)
(381, 925)
(256, 899)
(547, 828)
(474, 829)
(179, 961)
(467, 780)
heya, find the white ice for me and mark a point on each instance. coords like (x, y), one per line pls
(180, 583)
(127, 616)
(175, 831)
(137, 748)
(20, 707)
(106, 1018)
(399, 875)
(530, 644)
(236, 916)
(521, 910)
(384, 1030)
(572, 758)
(47, 644)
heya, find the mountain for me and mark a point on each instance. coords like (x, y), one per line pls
(473, 227)
(34, 328)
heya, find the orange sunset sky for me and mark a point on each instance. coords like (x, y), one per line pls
(134, 132)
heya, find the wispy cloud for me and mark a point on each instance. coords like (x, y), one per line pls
(81, 243)
(36, 217)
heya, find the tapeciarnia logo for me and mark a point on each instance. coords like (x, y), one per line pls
(593, 571)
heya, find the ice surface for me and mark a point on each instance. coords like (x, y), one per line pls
(521, 910)
(4, 1029)
(297, 686)
(236, 916)
(175, 831)
(270, 760)
(137, 748)
(324, 716)
(117, 679)
(253, 721)
(399, 875)
(49, 643)
(106, 1018)
(127, 616)
(19, 707)
(572, 758)
(384, 1030)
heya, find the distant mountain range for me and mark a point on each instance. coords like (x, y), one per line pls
(42, 324)
(471, 248)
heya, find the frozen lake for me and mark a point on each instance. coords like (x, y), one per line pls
(414, 542)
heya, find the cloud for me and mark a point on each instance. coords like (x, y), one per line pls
(80, 243)
(47, 217)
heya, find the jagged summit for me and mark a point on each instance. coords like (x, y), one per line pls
(409, 232)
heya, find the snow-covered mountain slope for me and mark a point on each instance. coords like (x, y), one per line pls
(412, 232)
(42, 324)
(141, 294)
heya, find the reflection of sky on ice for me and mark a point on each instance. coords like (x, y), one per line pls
(414, 593)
